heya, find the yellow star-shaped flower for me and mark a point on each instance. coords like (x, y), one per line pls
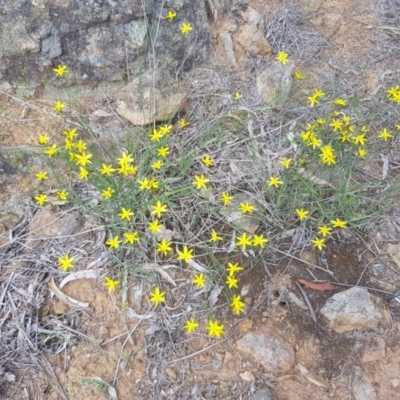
(59, 106)
(191, 325)
(282, 57)
(157, 297)
(185, 254)
(171, 15)
(131, 237)
(260, 240)
(237, 304)
(319, 243)
(60, 70)
(200, 182)
(274, 181)
(243, 241)
(339, 223)
(185, 28)
(164, 247)
(207, 161)
(41, 199)
(324, 230)
(233, 268)
(64, 264)
(159, 209)
(301, 213)
(226, 198)
(246, 207)
(113, 242)
(199, 280)
(215, 329)
(111, 284)
(214, 236)
(155, 226)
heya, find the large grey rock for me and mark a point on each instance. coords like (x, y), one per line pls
(269, 349)
(354, 309)
(362, 387)
(99, 40)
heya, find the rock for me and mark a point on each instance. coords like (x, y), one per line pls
(362, 388)
(269, 349)
(252, 40)
(247, 376)
(147, 108)
(50, 224)
(226, 42)
(374, 349)
(253, 17)
(393, 250)
(274, 84)
(233, 214)
(395, 382)
(264, 394)
(100, 40)
(171, 373)
(354, 309)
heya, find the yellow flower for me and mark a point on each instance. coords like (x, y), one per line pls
(186, 254)
(226, 198)
(43, 139)
(164, 247)
(59, 106)
(274, 181)
(319, 243)
(299, 75)
(145, 184)
(83, 173)
(207, 161)
(339, 223)
(313, 101)
(107, 193)
(328, 155)
(131, 237)
(83, 159)
(171, 15)
(246, 207)
(41, 176)
(237, 304)
(80, 146)
(259, 240)
(182, 123)
(286, 162)
(157, 165)
(41, 199)
(157, 297)
(155, 226)
(191, 325)
(186, 28)
(165, 129)
(125, 159)
(324, 230)
(282, 57)
(362, 152)
(336, 124)
(159, 209)
(65, 263)
(113, 242)
(200, 182)
(215, 237)
(70, 134)
(111, 284)
(243, 241)
(301, 213)
(233, 268)
(232, 282)
(62, 195)
(360, 140)
(199, 280)
(238, 96)
(126, 213)
(156, 136)
(52, 150)
(393, 94)
(215, 329)
(106, 169)
(385, 135)
(60, 70)
(340, 102)
(163, 151)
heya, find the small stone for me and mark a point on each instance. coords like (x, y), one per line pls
(246, 325)
(226, 42)
(269, 349)
(393, 250)
(253, 40)
(395, 382)
(248, 300)
(247, 376)
(354, 309)
(264, 394)
(374, 349)
(171, 373)
(362, 387)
